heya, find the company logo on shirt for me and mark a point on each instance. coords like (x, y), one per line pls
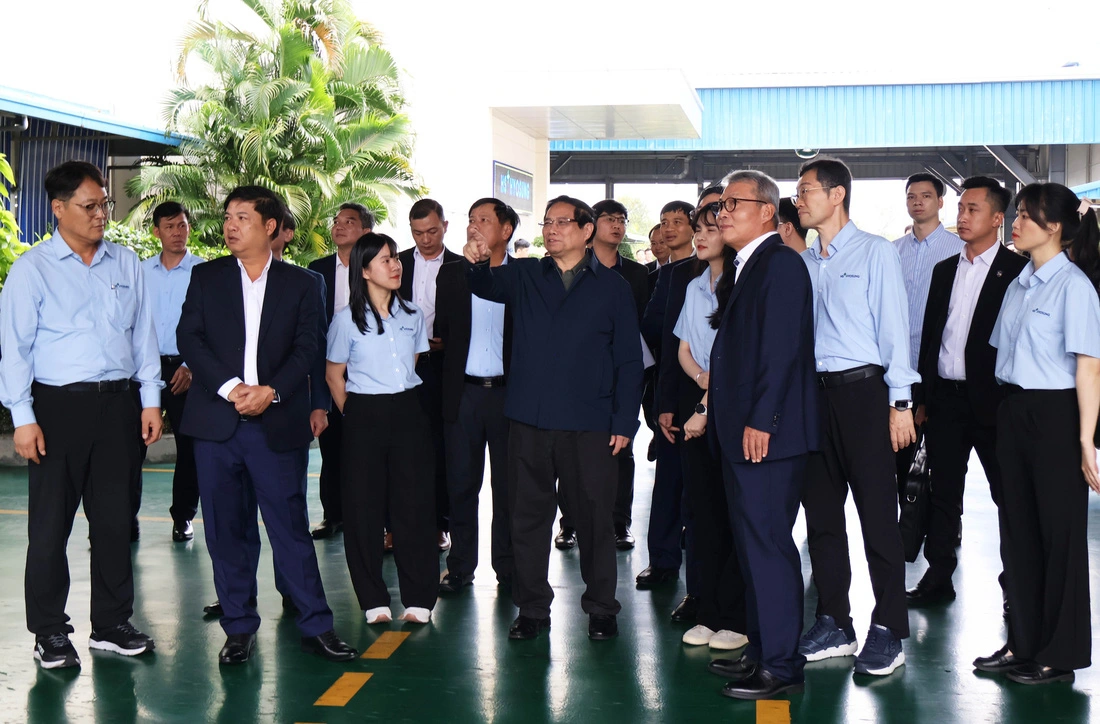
(847, 275)
(1040, 311)
(403, 328)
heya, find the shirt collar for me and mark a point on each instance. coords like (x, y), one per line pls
(589, 259)
(986, 256)
(935, 232)
(267, 266)
(340, 264)
(62, 249)
(747, 251)
(846, 233)
(438, 259)
(186, 262)
(1043, 273)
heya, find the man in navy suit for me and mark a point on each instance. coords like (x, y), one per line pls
(248, 409)
(763, 401)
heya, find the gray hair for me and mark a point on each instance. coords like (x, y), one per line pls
(766, 187)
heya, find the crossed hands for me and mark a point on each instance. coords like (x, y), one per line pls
(251, 399)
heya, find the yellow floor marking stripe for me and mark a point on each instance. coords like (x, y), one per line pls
(773, 712)
(13, 512)
(340, 693)
(386, 644)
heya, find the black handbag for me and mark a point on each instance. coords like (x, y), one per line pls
(915, 504)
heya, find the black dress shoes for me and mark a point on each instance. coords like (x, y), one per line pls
(182, 530)
(602, 627)
(453, 583)
(566, 539)
(739, 670)
(238, 649)
(1002, 660)
(1033, 673)
(624, 541)
(688, 610)
(930, 594)
(328, 645)
(654, 576)
(214, 610)
(327, 529)
(761, 685)
(525, 628)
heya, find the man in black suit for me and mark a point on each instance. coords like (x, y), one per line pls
(763, 405)
(660, 253)
(960, 395)
(476, 336)
(419, 269)
(248, 409)
(351, 221)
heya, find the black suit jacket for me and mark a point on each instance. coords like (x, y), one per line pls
(452, 326)
(326, 267)
(981, 357)
(211, 339)
(637, 277)
(673, 383)
(408, 267)
(651, 267)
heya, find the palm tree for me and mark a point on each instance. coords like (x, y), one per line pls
(310, 107)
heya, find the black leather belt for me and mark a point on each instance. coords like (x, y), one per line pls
(955, 386)
(101, 386)
(485, 381)
(1012, 389)
(829, 380)
(252, 418)
(171, 359)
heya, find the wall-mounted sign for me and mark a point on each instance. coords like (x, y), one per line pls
(514, 187)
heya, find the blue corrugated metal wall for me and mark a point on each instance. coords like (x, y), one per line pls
(875, 116)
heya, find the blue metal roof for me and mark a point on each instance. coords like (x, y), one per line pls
(1090, 190)
(876, 116)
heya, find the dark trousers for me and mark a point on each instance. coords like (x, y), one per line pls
(624, 492)
(721, 585)
(480, 422)
(90, 455)
(136, 481)
(856, 452)
(950, 434)
(429, 368)
(665, 521)
(331, 445)
(236, 477)
(583, 463)
(1043, 517)
(185, 484)
(387, 468)
(763, 505)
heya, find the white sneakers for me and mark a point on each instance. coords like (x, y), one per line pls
(722, 640)
(381, 614)
(413, 614)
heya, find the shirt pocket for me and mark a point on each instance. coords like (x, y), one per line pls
(122, 305)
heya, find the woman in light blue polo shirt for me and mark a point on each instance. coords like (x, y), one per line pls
(1047, 337)
(387, 463)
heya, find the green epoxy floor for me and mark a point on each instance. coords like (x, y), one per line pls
(462, 668)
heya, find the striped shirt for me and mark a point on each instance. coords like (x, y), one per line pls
(917, 259)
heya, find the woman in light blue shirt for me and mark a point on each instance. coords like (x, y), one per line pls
(1047, 337)
(387, 464)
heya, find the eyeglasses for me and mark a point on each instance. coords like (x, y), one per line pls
(617, 220)
(560, 223)
(801, 193)
(730, 204)
(93, 207)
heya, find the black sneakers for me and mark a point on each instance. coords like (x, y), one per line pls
(122, 639)
(55, 651)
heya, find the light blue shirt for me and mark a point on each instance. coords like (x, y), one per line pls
(62, 321)
(1047, 318)
(166, 289)
(860, 312)
(917, 260)
(486, 355)
(693, 325)
(379, 364)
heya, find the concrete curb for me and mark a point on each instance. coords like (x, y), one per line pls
(162, 451)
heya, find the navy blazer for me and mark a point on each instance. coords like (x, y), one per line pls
(211, 339)
(762, 364)
(672, 381)
(326, 267)
(576, 355)
(653, 319)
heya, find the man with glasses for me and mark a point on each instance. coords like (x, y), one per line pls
(861, 326)
(573, 393)
(790, 228)
(76, 327)
(351, 222)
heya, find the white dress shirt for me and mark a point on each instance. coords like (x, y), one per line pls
(424, 273)
(342, 294)
(254, 292)
(969, 279)
(746, 253)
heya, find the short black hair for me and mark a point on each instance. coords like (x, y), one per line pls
(264, 201)
(62, 181)
(505, 213)
(366, 218)
(582, 212)
(288, 220)
(522, 244)
(712, 189)
(682, 206)
(831, 173)
(170, 210)
(608, 206)
(788, 214)
(424, 208)
(998, 196)
(656, 227)
(921, 177)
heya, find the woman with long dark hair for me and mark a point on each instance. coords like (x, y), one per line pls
(1047, 337)
(721, 616)
(387, 465)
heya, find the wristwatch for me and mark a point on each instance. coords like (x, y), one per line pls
(274, 392)
(903, 405)
(700, 409)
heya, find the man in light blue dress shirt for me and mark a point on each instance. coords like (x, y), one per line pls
(76, 328)
(861, 330)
